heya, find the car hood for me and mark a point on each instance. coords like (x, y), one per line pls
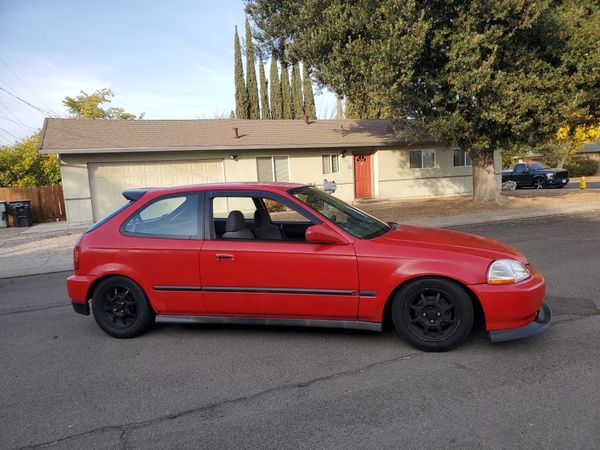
(451, 241)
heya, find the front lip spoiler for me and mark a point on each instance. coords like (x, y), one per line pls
(541, 322)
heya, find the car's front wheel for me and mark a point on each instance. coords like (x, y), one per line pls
(433, 314)
(121, 308)
(539, 183)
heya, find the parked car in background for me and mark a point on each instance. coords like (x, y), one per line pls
(536, 175)
(289, 254)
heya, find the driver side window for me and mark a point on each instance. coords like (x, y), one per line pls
(175, 216)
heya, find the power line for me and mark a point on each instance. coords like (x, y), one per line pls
(17, 122)
(24, 84)
(9, 133)
(37, 108)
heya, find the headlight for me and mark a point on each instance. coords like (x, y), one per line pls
(549, 176)
(507, 271)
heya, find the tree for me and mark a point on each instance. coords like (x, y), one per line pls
(286, 93)
(569, 140)
(481, 76)
(264, 91)
(241, 94)
(251, 85)
(22, 165)
(275, 90)
(307, 92)
(88, 106)
(297, 100)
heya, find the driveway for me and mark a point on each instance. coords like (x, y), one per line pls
(66, 383)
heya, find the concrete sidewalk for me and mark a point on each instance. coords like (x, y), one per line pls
(43, 248)
(48, 248)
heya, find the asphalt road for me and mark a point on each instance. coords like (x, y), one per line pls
(67, 384)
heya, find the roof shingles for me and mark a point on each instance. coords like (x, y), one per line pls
(89, 136)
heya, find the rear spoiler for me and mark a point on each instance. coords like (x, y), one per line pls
(134, 194)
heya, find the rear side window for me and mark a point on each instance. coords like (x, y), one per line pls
(175, 216)
(107, 218)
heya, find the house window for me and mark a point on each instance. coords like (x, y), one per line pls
(422, 159)
(272, 168)
(331, 164)
(462, 158)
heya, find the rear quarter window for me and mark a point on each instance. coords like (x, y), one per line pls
(173, 216)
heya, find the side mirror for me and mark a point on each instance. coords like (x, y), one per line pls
(322, 234)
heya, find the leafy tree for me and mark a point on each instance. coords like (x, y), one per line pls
(307, 91)
(481, 76)
(286, 93)
(88, 106)
(21, 165)
(241, 94)
(251, 85)
(297, 100)
(264, 92)
(275, 90)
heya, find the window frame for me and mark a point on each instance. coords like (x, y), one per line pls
(422, 150)
(330, 156)
(273, 168)
(209, 229)
(199, 234)
(464, 158)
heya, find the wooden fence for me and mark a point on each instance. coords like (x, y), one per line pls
(47, 202)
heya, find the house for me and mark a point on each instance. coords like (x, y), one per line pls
(101, 158)
(590, 151)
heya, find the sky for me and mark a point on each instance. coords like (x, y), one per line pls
(168, 59)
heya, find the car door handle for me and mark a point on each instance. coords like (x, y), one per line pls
(224, 257)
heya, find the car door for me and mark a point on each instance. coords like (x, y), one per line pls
(161, 242)
(286, 278)
(521, 175)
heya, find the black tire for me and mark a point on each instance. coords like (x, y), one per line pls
(121, 308)
(539, 183)
(433, 314)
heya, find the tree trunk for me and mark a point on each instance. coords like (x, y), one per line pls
(485, 189)
(564, 154)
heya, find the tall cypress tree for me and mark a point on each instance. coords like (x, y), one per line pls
(297, 101)
(286, 93)
(241, 95)
(264, 95)
(251, 85)
(275, 90)
(307, 91)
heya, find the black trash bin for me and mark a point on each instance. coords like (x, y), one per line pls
(21, 212)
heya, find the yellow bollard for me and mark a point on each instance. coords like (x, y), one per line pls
(582, 183)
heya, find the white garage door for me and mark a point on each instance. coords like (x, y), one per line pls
(109, 180)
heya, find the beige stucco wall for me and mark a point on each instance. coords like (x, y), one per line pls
(392, 177)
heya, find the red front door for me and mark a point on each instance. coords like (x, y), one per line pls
(362, 175)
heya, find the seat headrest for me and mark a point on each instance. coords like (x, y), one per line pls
(261, 218)
(235, 222)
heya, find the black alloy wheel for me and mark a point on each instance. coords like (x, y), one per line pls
(433, 314)
(121, 308)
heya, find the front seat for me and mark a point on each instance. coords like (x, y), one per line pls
(264, 228)
(235, 228)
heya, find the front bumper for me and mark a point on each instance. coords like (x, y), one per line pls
(540, 323)
(557, 182)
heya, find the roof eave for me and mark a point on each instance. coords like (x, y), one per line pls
(230, 147)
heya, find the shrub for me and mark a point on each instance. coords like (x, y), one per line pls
(582, 167)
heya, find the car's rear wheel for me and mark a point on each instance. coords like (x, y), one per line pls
(121, 308)
(433, 314)
(539, 183)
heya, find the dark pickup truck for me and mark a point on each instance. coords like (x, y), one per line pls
(536, 175)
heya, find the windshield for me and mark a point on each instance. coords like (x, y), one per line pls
(538, 166)
(356, 222)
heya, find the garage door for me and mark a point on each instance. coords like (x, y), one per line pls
(109, 180)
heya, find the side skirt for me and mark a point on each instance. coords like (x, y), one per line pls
(346, 324)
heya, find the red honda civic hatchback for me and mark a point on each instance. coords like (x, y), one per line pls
(290, 254)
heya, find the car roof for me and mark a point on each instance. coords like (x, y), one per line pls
(259, 186)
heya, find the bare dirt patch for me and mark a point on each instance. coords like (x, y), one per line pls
(405, 209)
